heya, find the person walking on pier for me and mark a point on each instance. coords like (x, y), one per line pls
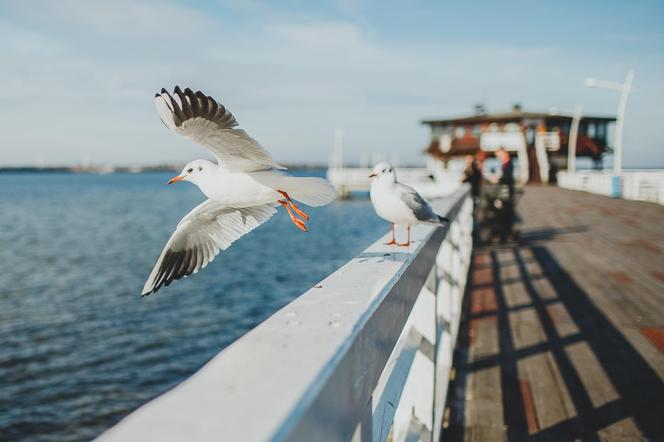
(506, 170)
(473, 175)
(506, 180)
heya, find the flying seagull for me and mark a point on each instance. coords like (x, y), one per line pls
(243, 187)
(398, 203)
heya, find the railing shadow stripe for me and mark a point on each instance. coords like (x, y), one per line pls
(639, 386)
(514, 412)
(575, 387)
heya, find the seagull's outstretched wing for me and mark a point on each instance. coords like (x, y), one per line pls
(205, 121)
(420, 208)
(198, 238)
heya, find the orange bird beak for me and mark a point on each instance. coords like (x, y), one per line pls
(372, 175)
(175, 179)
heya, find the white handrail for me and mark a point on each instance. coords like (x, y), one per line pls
(356, 179)
(642, 185)
(362, 355)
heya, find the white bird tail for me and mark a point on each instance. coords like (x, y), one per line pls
(311, 191)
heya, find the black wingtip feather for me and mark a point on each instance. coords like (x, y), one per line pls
(196, 104)
(174, 266)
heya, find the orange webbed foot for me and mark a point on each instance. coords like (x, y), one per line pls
(298, 222)
(297, 210)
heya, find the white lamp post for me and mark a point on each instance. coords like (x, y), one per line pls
(573, 134)
(624, 89)
(339, 148)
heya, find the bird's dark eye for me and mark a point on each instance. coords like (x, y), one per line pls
(190, 170)
(200, 168)
(383, 170)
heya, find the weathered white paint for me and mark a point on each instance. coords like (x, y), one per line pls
(364, 355)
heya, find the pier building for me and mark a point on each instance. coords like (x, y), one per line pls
(540, 140)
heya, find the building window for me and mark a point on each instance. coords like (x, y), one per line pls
(459, 132)
(438, 130)
(592, 133)
(565, 127)
(476, 131)
(601, 131)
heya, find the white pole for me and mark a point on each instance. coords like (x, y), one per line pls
(364, 161)
(339, 148)
(573, 134)
(622, 104)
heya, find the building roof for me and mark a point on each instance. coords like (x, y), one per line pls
(513, 115)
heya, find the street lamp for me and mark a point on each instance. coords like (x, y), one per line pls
(571, 144)
(624, 89)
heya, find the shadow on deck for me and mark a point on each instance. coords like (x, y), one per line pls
(555, 345)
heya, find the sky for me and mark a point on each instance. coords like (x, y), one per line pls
(78, 77)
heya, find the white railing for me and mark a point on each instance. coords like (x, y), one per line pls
(512, 140)
(593, 181)
(356, 179)
(364, 355)
(641, 185)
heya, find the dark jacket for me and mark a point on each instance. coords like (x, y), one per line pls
(473, 175)
(507, 176)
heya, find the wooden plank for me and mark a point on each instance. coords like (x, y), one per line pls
(550, 397)
(579, 324)
(655, 336)
(593, 376)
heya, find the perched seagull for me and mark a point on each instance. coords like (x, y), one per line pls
(243, 187)
(398, 203)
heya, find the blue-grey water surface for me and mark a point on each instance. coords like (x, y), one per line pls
(79, 348)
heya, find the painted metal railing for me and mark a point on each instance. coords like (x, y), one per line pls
(356, 179)
(641, 185)
(593, 181)
(364, 355)
(347, 180)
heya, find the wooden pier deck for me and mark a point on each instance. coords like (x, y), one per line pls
(563, 334)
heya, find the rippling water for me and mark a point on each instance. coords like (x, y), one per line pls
(79, 348)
